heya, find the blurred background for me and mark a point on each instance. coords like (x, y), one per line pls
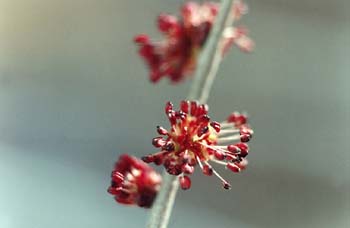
(74, 95)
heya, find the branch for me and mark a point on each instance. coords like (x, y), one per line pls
(207, 67)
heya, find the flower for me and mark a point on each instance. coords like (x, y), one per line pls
(134, 182)
(175, 56)
(194, 139)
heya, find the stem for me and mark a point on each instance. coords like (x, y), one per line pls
(163, 205)
(210, 57)
(207, 67)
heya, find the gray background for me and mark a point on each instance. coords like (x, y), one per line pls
(74, 95)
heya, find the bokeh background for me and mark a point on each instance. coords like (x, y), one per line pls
(74, 95)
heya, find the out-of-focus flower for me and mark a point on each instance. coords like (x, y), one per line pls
(176, 55)
(194, 139)
(134, 182)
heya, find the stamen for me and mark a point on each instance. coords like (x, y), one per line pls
(228, 131)
(199, 162)
(229, 139)
(219, 162)
(216, 148)
(224, 182)
(226, 124)
(207, 169)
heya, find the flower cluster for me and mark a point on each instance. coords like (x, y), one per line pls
(175, 56)
(134, 182)
(194, 139)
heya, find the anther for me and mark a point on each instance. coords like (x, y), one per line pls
(161, 130)
(185, 182)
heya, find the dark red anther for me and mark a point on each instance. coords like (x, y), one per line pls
(207, 170)
(141, 39)
(158, 142)
(216, 126)
(168, 107)
(240, 120)
(233, 167)
(245, 138)
(237, 118)
(193, 105)
(169, 146)
(117, 177)
(231, 157)
(174, 170)
(184, 106)
(220, 155)
(158, 159)
(172, 117)
(234, 149)
(180, 114)
(112, 190)
(146, 51)
(202, 109)
(203, 119)
(246, 130)
(166, 22)
(202, 131)
(123, 197)
(161, 130)
(242, 163)
(232, 117)
(244, 149)
(185, 182)
(148, 158)
(226, 185)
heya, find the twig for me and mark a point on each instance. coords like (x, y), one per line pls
(207, 66)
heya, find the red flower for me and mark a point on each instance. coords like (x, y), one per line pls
(175, 57)
(194, 139)
(134, 182)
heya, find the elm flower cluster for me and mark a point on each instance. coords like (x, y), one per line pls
(134, 182)
(176, 55)
(194, 139)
